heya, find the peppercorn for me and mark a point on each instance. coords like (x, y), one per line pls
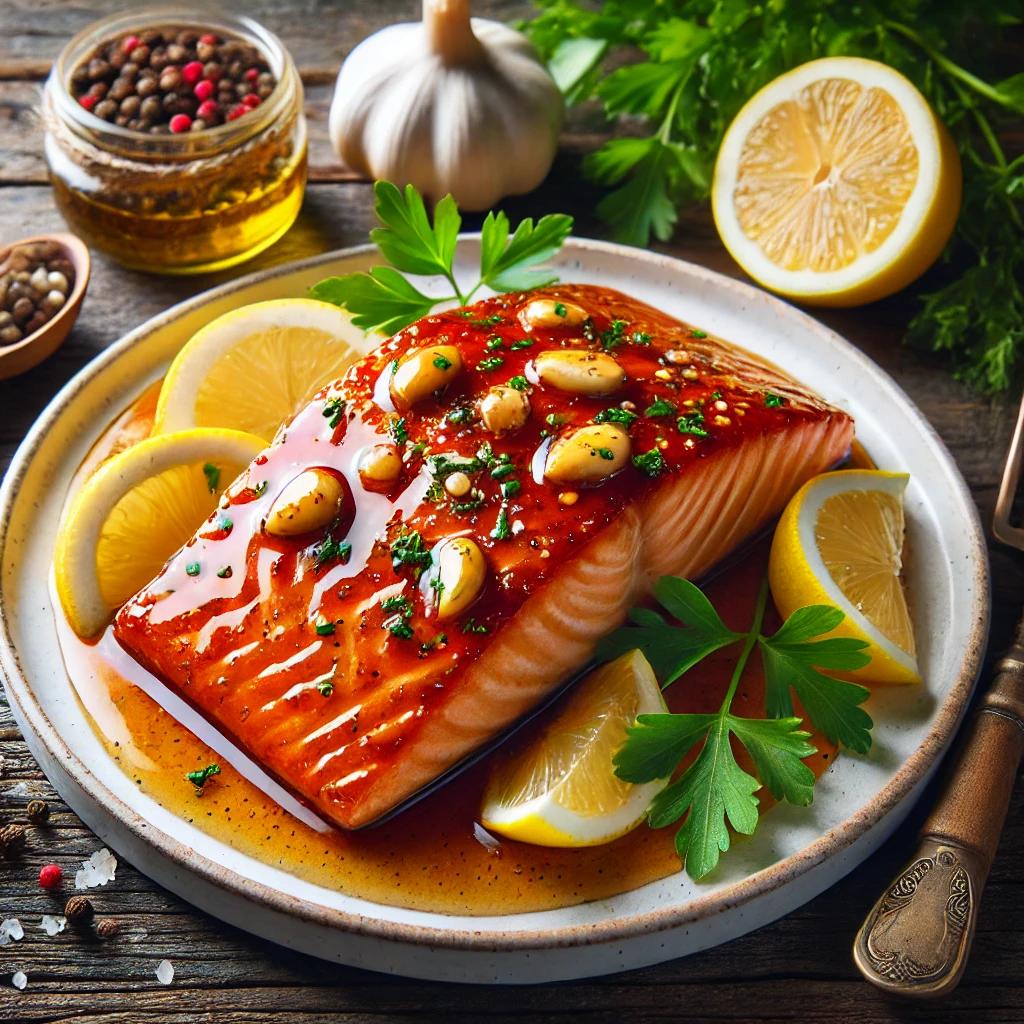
(79, 909)
(107, 928)
(12, 841)
(37, 812)
(51, 876)
(105, 109)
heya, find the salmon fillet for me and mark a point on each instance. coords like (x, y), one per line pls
(323, 656)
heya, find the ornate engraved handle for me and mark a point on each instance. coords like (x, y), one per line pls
(916, 939)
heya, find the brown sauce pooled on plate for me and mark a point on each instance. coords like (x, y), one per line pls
(433, 856)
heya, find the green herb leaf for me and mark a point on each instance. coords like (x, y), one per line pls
(398, 431)
(692, 423)
(212, 474)
(200, 778)
(650, 462)
(776, 746)
(490, 363)
(192, 568)
(502, 530)
(616, 415)
(510, 268)
(773, 401)
(334, 409)
(407, 240)
(409, 550)
(325, 687)
(519, 382)
(442, 363)
(381, 300)
(660, 407)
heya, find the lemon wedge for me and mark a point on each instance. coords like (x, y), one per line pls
(135, 512)
(836, 184)
(562, 789)
(840, 542)
(255, 367)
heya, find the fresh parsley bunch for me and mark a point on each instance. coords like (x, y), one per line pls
(714, 789)
(701, 60)
(385, 300)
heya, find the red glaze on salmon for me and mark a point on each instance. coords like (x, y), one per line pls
(322, 654)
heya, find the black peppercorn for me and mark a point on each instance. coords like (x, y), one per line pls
(150, 108)
(130, 105)
(37, 811)
(79, 909)
(107, 928)
(146, 86)
(105, 109)
(12, 840)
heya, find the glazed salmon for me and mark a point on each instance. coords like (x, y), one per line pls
(566, 448)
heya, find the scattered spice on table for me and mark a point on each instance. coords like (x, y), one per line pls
(107, 927)
(170, 81)
(36, 279)
(51, 877)
(37, 812)
(79, 909)
(12, 841)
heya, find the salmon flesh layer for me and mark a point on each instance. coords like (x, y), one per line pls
(328, 656)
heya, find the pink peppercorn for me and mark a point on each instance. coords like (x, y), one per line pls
(236, 112)
(210, 39)
(88, 100)
(204, 89)
(51, 876)
(208, 110)
(252, 100)
(180, 123)
(129, 43)
(252, 74)
(192, 72)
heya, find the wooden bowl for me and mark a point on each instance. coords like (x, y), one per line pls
(25, 354)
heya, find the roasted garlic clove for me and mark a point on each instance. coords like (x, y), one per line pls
(380, 464)
(461, 570)
(504, 409)
(547, 313)
(310, 501)
(581, 372)
(588, 454)
(423, 372)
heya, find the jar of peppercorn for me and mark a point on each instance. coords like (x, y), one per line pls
(175, 139)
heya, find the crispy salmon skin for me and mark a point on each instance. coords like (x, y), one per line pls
(505, 482)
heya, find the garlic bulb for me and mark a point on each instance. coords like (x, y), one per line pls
(449, 104)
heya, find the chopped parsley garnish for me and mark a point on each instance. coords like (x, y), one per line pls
(502, 469)
(437, 584)
(461, 415)
(691, 424)
(397, 603)
(502, 530)
(435, 492)
(613, 335)
(192, 568)
(694, 333)
(334, 409)
(398, 430)
(487, 321)
(660, 407)
(224, 572)
(261, 488)
(429, 645)
(442, 363)
(556, 419)
(716, 395)
(224, 525)
(652, 462)
(442, 466)
(493, 342)
(201, 777)
(331, 549)
(510, 488)
(485, 453)
(773, 401)
(521, 343)
(560, 310)
(519, 382)
(408, 550)
(606, 453)
(325, 687)
(324, 627)
(212, 474)
(470, 626)
(490, 363)
(397, 626)
(616, 415)
(641, 338)
(476, 501)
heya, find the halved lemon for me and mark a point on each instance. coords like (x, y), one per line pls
(836, 184)
(562, 790)
(255, 367)
(135, 512)
(840, 542)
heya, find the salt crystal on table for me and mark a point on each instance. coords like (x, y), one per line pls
(165, 972)
(20, 979)
(52, 924)
(11, 930)
(97, 870)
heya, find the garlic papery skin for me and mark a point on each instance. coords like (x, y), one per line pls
(450, 105)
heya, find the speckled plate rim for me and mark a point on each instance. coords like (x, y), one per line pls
(906, 782)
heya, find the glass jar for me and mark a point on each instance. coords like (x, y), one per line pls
(178, 204)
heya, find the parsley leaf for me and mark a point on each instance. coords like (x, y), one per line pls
(510, 267)
(615, 415)
(381, 300)
(212, 474)
(200, 778)
(660, 407)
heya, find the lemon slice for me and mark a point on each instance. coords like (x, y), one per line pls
(562, 790)
(135, 512)
(255, 367)
(840, 542)
(836, 184)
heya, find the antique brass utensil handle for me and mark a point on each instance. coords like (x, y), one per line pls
(916, 938)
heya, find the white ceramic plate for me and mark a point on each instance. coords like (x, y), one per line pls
(796, 852)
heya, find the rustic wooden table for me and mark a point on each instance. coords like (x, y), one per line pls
(796, 969)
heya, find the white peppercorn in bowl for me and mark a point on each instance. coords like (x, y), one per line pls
(171, 202)
(35, 346)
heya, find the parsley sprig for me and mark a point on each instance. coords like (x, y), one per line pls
(385, 300)
(714, 790)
